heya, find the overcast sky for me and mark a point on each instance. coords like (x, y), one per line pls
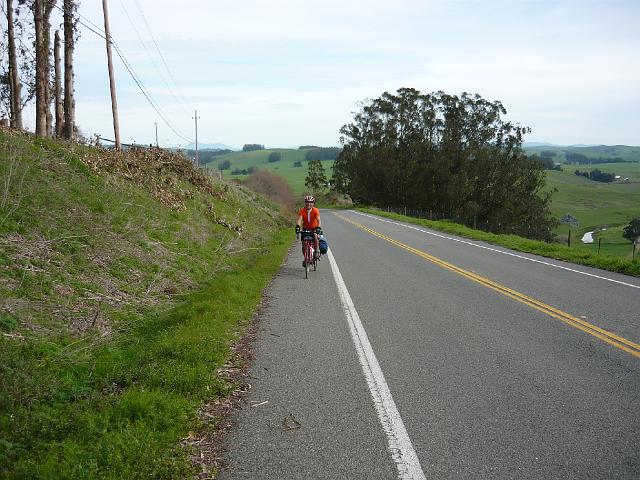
(289, 72)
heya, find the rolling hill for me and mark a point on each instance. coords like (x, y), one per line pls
(294, 175)
(559, 153)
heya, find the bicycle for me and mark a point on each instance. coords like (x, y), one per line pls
(308, 242)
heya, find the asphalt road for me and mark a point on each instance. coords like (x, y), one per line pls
(416, 354)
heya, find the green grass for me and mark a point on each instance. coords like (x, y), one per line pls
(120, 410)
(577, 254)
(118, 302)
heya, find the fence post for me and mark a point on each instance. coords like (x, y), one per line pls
(405, 210)
(475, 223)
(599, 242)
(569, 239)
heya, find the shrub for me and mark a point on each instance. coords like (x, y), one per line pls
(271, 186)
(275, 157)
(632, 231)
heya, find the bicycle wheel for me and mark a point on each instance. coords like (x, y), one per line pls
(307, 261)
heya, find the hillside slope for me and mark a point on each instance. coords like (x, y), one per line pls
(123, 280)
(294, 175)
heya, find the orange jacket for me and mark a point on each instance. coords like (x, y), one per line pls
(310, 218)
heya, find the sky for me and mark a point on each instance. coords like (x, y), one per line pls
(285, 73)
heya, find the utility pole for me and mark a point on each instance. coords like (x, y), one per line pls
(112, 83)
(196, 119)
(156, 124)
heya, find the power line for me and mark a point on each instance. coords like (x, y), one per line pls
(153, 62)
(144, 92)
(97, 30)
(164, 62)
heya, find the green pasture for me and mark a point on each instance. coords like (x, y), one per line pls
(596, 205)
(260, 158)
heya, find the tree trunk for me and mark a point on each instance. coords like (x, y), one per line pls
(14, 79)
(41, 69)
(46, 29)
(69, 103)
(58, 87)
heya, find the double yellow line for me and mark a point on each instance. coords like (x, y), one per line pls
(604, 335)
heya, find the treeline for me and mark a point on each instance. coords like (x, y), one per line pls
(547, 162)
(580, 159)
(597, 176)
(250, 147)
(447, 154)
(36, 63)
(328, 153)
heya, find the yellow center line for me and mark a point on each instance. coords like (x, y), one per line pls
(604, 335)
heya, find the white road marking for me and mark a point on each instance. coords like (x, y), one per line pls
(399, 444)
(498, 251)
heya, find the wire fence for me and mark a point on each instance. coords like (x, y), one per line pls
(484, 226)
(430, 214)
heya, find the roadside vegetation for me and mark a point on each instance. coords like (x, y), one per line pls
(575, 254)
(124, 279)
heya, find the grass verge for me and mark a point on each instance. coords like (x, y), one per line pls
(119, 410)
(576, 255)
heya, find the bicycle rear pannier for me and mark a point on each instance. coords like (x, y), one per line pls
(324, 246)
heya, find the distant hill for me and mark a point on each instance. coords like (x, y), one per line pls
(594, 153)
(292, 164)
(209, 146)
(537, 144)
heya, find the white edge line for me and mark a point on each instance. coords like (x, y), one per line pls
(496, 250)
(399, 444)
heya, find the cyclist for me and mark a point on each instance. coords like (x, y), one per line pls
(309, 219)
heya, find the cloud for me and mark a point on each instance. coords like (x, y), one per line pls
(262, 69)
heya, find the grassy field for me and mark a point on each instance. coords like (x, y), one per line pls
(124, 279)
(597, 206)
(260, 158)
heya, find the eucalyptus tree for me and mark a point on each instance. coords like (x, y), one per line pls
(453, 155)
(17, 76)
(316, 178)
(70, 20)
(15, 87)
